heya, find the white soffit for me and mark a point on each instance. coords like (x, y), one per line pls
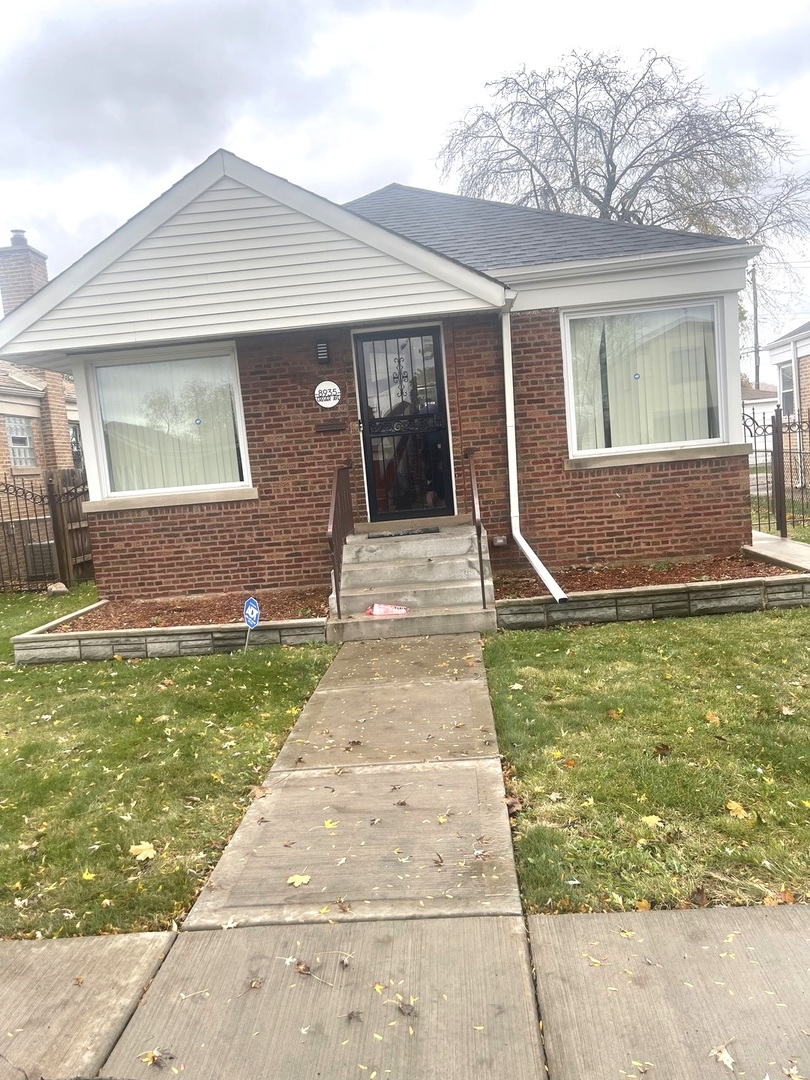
(229, 250)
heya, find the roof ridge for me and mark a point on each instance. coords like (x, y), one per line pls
(543, 211)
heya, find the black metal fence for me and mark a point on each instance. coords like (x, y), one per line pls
(779, 473)
(43, 533)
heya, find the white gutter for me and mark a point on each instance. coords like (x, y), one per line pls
(511, 456)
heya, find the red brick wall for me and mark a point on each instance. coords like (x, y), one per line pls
(624, 514)
(277, 541)
(651, 511)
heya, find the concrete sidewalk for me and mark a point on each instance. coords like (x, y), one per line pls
(364, 922)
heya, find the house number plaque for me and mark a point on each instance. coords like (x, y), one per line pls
(327, 394)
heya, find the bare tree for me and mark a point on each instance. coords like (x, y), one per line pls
(644, 145)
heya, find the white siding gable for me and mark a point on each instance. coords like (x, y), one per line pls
(235, 260)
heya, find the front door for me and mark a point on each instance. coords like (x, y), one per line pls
(403, 420)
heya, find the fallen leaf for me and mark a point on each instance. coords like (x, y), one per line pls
(87, 876)
(297, 880)
(142, 851)
(258, 792)
(642, 905)
(652, 820)
(722, 1055)
(787, 711)
(736, 810)
(330, 824)
(713, 719)
(157, 1058)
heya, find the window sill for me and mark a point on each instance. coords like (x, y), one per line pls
(176, 498)
(653, 457)
(25, 470)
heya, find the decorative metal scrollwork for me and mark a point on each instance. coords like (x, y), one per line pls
(400, 377)
(405, 425)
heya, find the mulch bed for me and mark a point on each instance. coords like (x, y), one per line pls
(592, 578)
(223, 608)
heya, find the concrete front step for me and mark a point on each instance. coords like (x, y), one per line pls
(456, 540)
(440, 568)
(438, 594)
(425, 623)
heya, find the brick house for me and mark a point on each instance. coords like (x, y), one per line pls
(39, 418)
(241, 337)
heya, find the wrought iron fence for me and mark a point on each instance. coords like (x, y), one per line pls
(779, 471)
(43, 533)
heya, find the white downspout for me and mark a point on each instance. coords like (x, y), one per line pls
(511, 457)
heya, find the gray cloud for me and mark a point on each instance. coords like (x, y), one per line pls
(159, 84)
(772, 59)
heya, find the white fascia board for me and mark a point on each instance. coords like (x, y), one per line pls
(221, 164)
(520, 277)
(398, 247)
(783, 353)
(635, 284)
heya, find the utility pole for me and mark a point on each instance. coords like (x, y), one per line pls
(756, 326)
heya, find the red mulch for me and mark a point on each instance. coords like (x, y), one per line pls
(220, 608)
(591, 578)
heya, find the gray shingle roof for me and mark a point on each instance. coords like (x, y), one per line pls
(800, 331)
(491, 235)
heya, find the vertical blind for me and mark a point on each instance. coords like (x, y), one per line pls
(644, 378)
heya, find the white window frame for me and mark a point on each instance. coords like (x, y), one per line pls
(567, 316)
(783, 369)
(98, 473)
(28, 447)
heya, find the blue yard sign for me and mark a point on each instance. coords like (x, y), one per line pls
(252, 613)
(251, 617)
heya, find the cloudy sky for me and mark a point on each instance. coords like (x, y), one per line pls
(105, 103)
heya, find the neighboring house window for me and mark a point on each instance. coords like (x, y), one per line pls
(76, 444)
(786, 395)
(644, 378)
(171, 424)
(20, 433)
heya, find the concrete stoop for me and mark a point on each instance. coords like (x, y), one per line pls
(431, 569)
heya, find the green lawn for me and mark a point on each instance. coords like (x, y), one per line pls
(99, 758)
(658, 764)
(764, 519)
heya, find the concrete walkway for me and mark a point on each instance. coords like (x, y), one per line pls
(790, 553)
(364, 922)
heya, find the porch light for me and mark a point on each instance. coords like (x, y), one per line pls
(322, 352)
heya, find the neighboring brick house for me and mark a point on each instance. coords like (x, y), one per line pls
(39, 418)
(241, 337)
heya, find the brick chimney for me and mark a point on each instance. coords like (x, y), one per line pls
(23, 271)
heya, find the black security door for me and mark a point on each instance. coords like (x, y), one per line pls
(403, 420)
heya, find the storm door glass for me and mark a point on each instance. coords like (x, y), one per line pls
(404, 424)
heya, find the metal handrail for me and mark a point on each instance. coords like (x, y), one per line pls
(469, 454)
(341, 524)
